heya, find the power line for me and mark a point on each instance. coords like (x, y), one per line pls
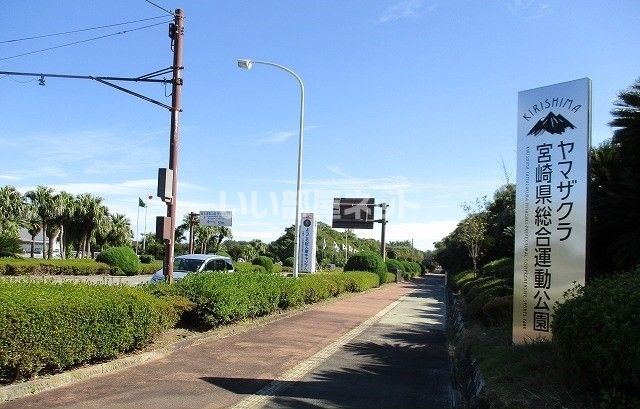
(82, 41)
(18, 81)
(79, 30)
(161, 8)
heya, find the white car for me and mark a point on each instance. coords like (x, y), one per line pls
(195, 263)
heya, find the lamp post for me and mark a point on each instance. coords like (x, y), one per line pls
(247, 64)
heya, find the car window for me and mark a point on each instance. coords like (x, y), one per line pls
(221, 265)
(229, 265)
(210, 266)
(187, 264)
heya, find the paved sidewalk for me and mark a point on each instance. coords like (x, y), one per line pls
(352, 353)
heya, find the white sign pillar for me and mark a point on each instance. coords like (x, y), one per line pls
(307, 243)
(554, 139)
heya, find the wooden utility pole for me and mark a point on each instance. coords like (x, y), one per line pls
(177, 35)
(193, 220)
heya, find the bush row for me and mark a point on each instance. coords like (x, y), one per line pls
(31, 266)
(52, 326)
(52, 267)
(220, 299)
(597, 332)
(488, 299)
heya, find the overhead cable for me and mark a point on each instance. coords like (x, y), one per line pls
(79, 30)
(81, 41)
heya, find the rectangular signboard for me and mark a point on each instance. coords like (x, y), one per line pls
(215, 218)
(554, 138)
(353, 213)
(307, 243)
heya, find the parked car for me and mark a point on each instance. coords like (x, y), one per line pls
(195, 263)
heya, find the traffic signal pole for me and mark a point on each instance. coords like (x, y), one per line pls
(177, 35)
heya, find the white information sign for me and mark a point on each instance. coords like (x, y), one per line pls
(307, 243)
(215, 218)
(554, 138)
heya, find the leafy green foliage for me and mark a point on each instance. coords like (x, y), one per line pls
(498, 311)
(393, 265)
(51, 326)
(146, 258)
(123, 258)
(52, 267)
(9, 245)
(367, 261)
(502, 268)
(390, 278)
(288, 262)
(265, 262)
(597, 330)
(244, 267)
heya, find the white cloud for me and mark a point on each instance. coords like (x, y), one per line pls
(9, 177)
(402, 10)
(276, 137)
(423, 234)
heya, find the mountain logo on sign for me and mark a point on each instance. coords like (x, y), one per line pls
(552, 123)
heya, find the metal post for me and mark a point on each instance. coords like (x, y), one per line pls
(176, 89)
(383, 244)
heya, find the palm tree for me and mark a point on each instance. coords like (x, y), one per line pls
(626, 117)
(41, 200)
(34, 225)
(89, 211)
(120, 234)
(12, 209)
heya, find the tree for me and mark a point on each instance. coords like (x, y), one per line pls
(473, 230)
(34, 225)
(626, 118)
(89, 212)
(283, 245)
(12, 209)
(41, 200)
(120, 234)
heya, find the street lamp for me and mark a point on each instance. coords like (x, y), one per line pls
(247, 64)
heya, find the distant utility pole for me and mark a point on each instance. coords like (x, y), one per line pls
(383, 244)
(176, 32)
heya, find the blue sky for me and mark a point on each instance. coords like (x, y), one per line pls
(411, 102)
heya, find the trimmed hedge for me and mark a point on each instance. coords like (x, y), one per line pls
(220, 299)
(52, 267)
(51, 326)
(244, 267)
(123, 258)
(146, 258)
(498, 311)
(394, 265)
(367, 261)
(265, 262)
(150, 268)
(390, 278)
(598, 332)
(288, 262)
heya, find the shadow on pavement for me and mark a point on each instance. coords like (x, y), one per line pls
(404, 367)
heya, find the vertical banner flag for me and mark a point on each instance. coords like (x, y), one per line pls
(554, 138)
(141, 203)
(307, 243)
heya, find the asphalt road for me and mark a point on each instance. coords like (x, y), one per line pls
(385, 348)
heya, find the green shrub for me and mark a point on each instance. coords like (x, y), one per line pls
(457, 280)
(498, 311)
(501, 268)
(150, 268)
(390, 278)
(292, 294)
(52, 326)
(146, 258)
(265, 262)
(288, 262)
(367, 261)
(123, 258)
(225, 298)
(9, 245)
(362, 280)
(316, 287)
(277, 268)
(476, 305)
(244, 267)
(394, 265)
(52, 267)
(598, 332)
